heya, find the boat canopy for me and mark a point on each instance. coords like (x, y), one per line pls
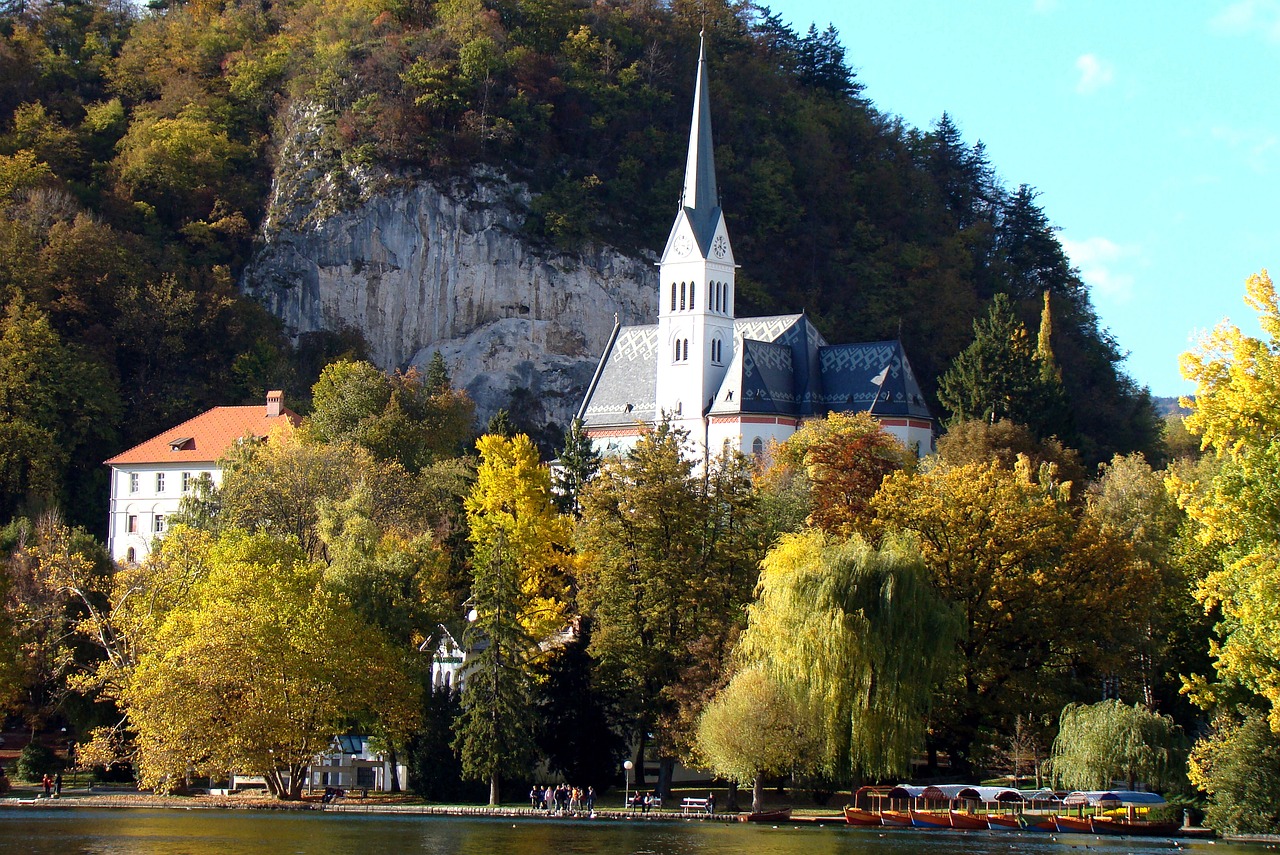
(1043, 795)
(954, 792)
(1112, 798)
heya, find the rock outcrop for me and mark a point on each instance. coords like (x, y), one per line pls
(419, 267)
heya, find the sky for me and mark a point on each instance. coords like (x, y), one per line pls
(1150, 129)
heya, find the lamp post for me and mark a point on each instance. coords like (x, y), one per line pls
(626, 788)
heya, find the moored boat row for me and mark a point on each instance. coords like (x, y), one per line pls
(1007, 815)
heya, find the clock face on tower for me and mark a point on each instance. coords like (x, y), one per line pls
(683, 245)
(720, 246)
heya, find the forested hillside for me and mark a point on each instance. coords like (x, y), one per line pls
(137, 150)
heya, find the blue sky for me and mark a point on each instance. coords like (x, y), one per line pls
(1150, 129)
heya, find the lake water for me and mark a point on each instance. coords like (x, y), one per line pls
(200, 832)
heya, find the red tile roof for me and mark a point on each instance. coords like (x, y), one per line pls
(208, 436)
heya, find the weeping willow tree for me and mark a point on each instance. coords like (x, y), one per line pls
(1107, 741)
(859, 639)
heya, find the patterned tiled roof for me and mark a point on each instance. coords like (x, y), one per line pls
(627, 389)
(848, 380)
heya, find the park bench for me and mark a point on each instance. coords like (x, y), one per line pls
(691, 804)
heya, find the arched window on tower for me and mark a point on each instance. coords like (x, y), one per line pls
(673, 296)
(676, 356)
(685, 356)
(683, 286)
(693, 303)
(757, 448)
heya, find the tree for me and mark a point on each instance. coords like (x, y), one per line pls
(999, 375)
(845, 458)
(1047, 597)
(1235, 413)
(579, 462)
(1102, 742)
(1236, 765)
(858, 638)
(519, 597)
(667, 564)
(273, 700)
(753, 729)
(399, 418)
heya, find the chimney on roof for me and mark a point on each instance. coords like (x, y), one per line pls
(275, 401)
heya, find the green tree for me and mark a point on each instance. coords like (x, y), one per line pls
(579, 462)
(999, 375)
(1099, 743)
(858, 639)
(667, 563)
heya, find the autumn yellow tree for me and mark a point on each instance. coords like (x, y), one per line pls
(258, 670)
(1044, 592)
(519, 596)
(1236, 414)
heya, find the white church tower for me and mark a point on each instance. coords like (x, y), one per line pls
(695, 299)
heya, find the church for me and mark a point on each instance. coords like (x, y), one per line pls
(740, 382)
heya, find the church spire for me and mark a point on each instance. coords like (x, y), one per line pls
(700, 197)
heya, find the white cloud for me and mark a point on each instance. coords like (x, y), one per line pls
(1101, 261)
(1095, 73)
(1258, 147)
(1248, 17)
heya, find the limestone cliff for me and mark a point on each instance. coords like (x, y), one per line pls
(420, 267)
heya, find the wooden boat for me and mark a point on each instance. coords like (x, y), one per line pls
(858, 816)
(780, 815)
(1073, 824)
(968, 821)
(1133, 827)
(929, 819)
(1004, 822)
(896, 818)
(1039, 823)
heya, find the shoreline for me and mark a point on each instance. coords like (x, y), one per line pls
(252, 802)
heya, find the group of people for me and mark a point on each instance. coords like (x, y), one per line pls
(563, 800)
(52, 786)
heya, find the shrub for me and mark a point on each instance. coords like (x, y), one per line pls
(35, 762)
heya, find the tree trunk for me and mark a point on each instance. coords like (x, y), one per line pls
(297, 780)
(493, 790)
(733, 797)
(666, 769)
(395, 772)
(757, 794)
(638, 760)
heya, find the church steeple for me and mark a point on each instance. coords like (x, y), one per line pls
(700, 197)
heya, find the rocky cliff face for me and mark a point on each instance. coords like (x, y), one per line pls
(423, 267)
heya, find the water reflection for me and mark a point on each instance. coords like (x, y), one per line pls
(196, 832)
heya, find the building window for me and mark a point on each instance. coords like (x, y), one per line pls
(683, 286)
(693, 303)
(159, 482)
(131, 525)
(186, 482)
(685, 356)
(757, 447)
(130, 555)
(159, 527)
(673, 296)
(133, 482)
(676, 356)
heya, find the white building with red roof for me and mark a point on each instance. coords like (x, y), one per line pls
(149, 481)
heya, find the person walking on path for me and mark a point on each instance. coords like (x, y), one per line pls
(57, 785)
(591, 800)
(47, 783)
